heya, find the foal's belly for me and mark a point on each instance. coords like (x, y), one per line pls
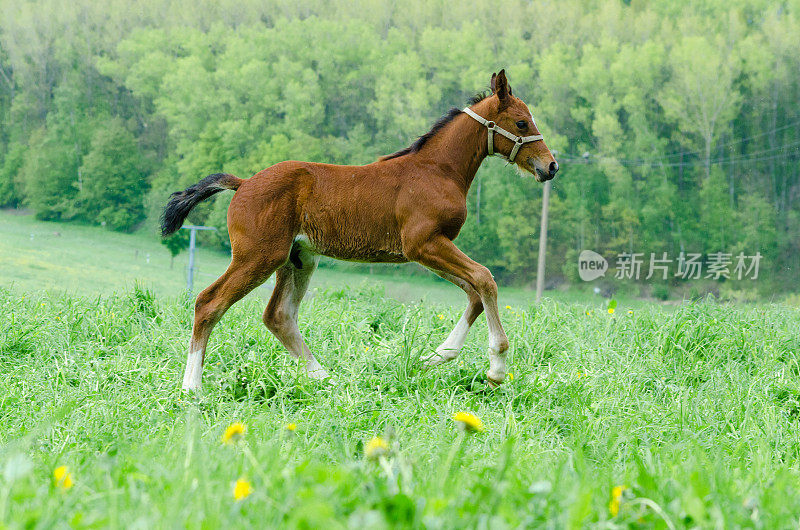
(356, 243)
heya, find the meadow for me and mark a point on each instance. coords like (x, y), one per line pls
(644, 417)
(84, 260)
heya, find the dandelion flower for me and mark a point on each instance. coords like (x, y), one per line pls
(468, 422)
(616, 499)
(63, 477)
(441, 317)
(242, 489)
(233, 433)
(610, 310)
(508, 307)
(291, 427)
(510, 376)
(376, 447)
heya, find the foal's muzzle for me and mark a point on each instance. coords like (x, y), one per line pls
(543, 173)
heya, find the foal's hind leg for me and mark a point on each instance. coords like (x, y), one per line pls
(240, 278)
(280, 316)
(441, 254)
(451, 347)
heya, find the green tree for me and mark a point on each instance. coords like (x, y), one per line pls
(113, 186)
(175, 243)
(50, 176)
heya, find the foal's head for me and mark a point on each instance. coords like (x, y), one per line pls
(512, 114)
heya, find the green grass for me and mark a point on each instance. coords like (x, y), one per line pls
(694, 411)
(90, 261)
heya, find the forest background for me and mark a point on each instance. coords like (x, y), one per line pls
(676, 124)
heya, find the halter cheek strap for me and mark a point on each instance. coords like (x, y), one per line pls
(492, 127)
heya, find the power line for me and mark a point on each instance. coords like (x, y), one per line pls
(751, 157)
(656, 161)
(794, 123)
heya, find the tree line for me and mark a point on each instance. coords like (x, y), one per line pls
(677, 126)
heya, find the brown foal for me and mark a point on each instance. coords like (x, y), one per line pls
(408, 206)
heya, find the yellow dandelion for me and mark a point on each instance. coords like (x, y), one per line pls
(468, 422)
(508, 307)
(376, 447)
(242, 489)
(233, 433)
(630, 311)
(366, 348)
(616, 499)
(610, 310)
(63, 477)
(510, 376)
(291, 427)
(441, 317)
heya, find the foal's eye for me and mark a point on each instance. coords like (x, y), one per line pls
(522, 125)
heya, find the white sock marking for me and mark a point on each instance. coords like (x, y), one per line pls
(193, 374)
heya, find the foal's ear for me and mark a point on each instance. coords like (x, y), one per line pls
(500, 85)
(493, 83)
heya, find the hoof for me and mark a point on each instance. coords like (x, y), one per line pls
(318, 374)
(189, 386)
(494, 380)
(439, 357)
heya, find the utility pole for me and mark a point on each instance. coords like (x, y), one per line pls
(543, 241)
(192, 238)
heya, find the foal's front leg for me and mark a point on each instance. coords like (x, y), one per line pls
(451, 347)
(441, 254)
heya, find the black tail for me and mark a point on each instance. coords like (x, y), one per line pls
(181, 202)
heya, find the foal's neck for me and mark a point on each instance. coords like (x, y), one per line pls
(459, 149)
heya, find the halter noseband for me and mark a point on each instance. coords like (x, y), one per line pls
(492, 127)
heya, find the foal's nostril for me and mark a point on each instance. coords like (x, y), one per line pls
(553, 169)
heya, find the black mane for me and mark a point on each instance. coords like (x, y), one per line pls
(438, 126)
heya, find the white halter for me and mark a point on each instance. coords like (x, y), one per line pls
(492, 127)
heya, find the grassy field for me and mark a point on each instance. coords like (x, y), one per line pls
(694, 412)
(88, 260)
(642, 418)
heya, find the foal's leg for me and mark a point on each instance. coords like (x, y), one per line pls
(451, 347)
(280, 316)
(240, 278)
(441, 254)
